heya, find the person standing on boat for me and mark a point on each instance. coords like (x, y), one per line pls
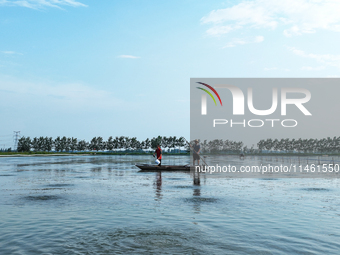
(197, 149)
(158, 152)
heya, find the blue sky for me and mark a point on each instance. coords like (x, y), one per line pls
(101, 68)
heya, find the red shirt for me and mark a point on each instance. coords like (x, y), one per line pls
(159, 153)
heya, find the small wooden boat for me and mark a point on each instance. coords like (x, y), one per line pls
(165, 168)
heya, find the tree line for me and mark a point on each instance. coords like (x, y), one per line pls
(220, 145)
(123, 143)
(71, 144)
(325, 145)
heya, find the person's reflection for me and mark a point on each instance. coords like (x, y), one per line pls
(196, 178)
(158, 184)
(197, 192)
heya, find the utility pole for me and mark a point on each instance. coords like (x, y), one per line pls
(16, 135)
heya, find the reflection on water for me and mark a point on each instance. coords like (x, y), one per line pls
(60, 185)
(103, 205)
(197, 191)
(39, 198)
(158, 186)
(196, 178)
(316, 189)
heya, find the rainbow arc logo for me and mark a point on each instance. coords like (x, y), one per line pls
(209, 93)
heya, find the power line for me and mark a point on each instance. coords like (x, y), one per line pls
(7, 140)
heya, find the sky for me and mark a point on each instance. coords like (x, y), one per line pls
(122, 68)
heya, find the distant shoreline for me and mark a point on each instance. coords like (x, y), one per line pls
(40, 155)
(47, 154)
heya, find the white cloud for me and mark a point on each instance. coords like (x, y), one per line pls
(259, 39)
(310, 68)
(74, 95)
(326, 59)
(270, 68)
(37, 4)
(127, 56)
(236, 41)
(295, 17)
(11, 52)
(219, 30)
(275, 68)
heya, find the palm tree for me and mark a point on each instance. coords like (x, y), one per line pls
(276, 145)
(63, 143)
(35, 144)
(68, 144)
(180, 142)
(147, 144)
(298, 145)
(48, 143)
(138, 145)
(93, 144)
(109, 143)
(41, 143)
(134, 143)
(261, 144)
(82, 145)
(73, 144)
(239, 146)
(100, 143)
(214, 145)
(155, 142)
(281, 145)
(165, 142)
(121, 142)
(116, 143)
(337, 144)
(127, 143)
(172, 142)
(204, 146)
(57, 144)
(226, 145)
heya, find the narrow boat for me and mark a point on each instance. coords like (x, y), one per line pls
(155, 168)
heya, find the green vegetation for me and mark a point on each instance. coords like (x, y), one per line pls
(124, 145)
(220, 146)
(274, 147)
(88, 153)
(326, 145)
(115, 145)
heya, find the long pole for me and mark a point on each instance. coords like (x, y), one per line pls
(194, 150)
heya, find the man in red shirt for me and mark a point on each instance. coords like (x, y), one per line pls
(158, 152)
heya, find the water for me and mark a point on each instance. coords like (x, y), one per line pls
(103, 205)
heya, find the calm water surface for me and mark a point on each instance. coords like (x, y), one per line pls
(103, 205)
